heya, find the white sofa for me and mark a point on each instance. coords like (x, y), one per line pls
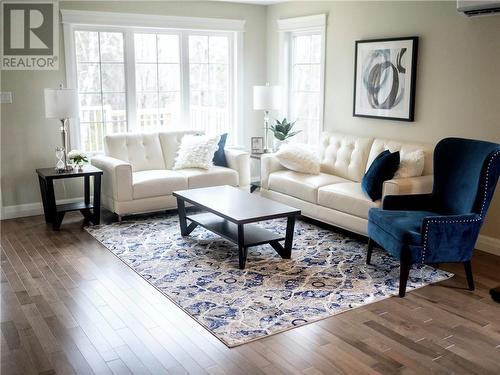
(138, 175)
(335, 196)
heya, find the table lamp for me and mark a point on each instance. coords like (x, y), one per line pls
(266, 98)
(61, 104)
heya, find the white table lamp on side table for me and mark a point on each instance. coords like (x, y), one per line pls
(61, 104)
(266, 98)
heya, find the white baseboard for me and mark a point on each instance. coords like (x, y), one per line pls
(485, 243)
(30, 209)
(488, 244)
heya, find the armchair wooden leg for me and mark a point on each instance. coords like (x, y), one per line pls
(404, 271)
(369, 251)
(468, 274)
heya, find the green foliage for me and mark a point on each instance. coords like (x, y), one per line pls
(283, 129)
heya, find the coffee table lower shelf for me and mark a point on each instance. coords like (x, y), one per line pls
(254, 234)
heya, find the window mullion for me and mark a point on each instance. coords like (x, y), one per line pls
(130, 88)
(185, 93)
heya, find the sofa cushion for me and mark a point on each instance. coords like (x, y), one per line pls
(170, 142)
(346, 197)
(380, 145)
(344, 155)
(142, 151)
(382, 169)
(155, 183)
(198, 178)
(301, 185)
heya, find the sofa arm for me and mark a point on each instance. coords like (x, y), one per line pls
(410, 185)
(268, 164)
(117, 177)
(239, 161)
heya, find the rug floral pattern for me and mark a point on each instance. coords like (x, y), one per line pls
(326, 275)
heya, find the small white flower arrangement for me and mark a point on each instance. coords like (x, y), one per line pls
(78, 158)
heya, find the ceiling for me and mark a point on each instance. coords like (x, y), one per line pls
(256, 2)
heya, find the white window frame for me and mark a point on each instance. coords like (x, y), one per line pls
(130, 23)
(288, 28)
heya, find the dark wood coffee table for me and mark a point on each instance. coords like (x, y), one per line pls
(230, 212)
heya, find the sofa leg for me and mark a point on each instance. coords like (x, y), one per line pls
(369, 251)
(404, 271)
(468, 274)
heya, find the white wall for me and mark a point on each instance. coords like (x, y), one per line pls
(28, 140)
(458, 76)
(458, 79)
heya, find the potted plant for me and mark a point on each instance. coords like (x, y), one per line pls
(282, 131)
(78, 158)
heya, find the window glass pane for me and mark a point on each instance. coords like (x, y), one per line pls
(111, 47)
(89, 77)
(218, 77)
(92, 136)
(87, 46)
(198, 49)
(114, 108)
(147, 110)
(316, 49)
(113, 78)
(198, 76)
(169, 108)
(302, 49)
(305, 98)
(209, 83)
(158, 84)
(146, 77)
(218, 49)
(168, 48)
(168, 77)
(101, 86)
(145, 47)
(90, 108)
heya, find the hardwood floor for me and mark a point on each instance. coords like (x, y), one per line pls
(69, 306)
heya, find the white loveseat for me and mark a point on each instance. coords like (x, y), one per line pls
(138, 175)
(335, 196)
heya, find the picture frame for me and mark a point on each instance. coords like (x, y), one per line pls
(385, 74)
(257, 145)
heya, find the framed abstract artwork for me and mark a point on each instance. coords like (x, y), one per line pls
(384, 78)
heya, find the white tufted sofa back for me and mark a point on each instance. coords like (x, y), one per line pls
(145, 151)
(344, 155)
(380, 145)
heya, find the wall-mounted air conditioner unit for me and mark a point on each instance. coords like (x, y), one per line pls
(478, 7)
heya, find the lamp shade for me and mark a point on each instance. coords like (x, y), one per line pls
(60, 103)
(266, 97)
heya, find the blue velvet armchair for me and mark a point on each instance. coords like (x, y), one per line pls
(443, 226)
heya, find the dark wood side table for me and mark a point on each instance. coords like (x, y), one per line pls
(54, 213)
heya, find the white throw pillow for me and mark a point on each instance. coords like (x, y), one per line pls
(196, 151)
(298, 159)
(411, 164)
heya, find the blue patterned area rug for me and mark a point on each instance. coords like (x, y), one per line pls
(327, 275)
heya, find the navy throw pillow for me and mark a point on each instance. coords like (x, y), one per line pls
(219, 156)
(383, 168)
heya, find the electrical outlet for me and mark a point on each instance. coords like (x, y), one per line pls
(6, 97)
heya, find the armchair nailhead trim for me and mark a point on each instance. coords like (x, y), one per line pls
(488, 180)
(424, 250)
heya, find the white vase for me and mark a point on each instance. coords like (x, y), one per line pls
(277, 144)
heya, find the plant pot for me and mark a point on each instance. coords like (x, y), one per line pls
(278, 143)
